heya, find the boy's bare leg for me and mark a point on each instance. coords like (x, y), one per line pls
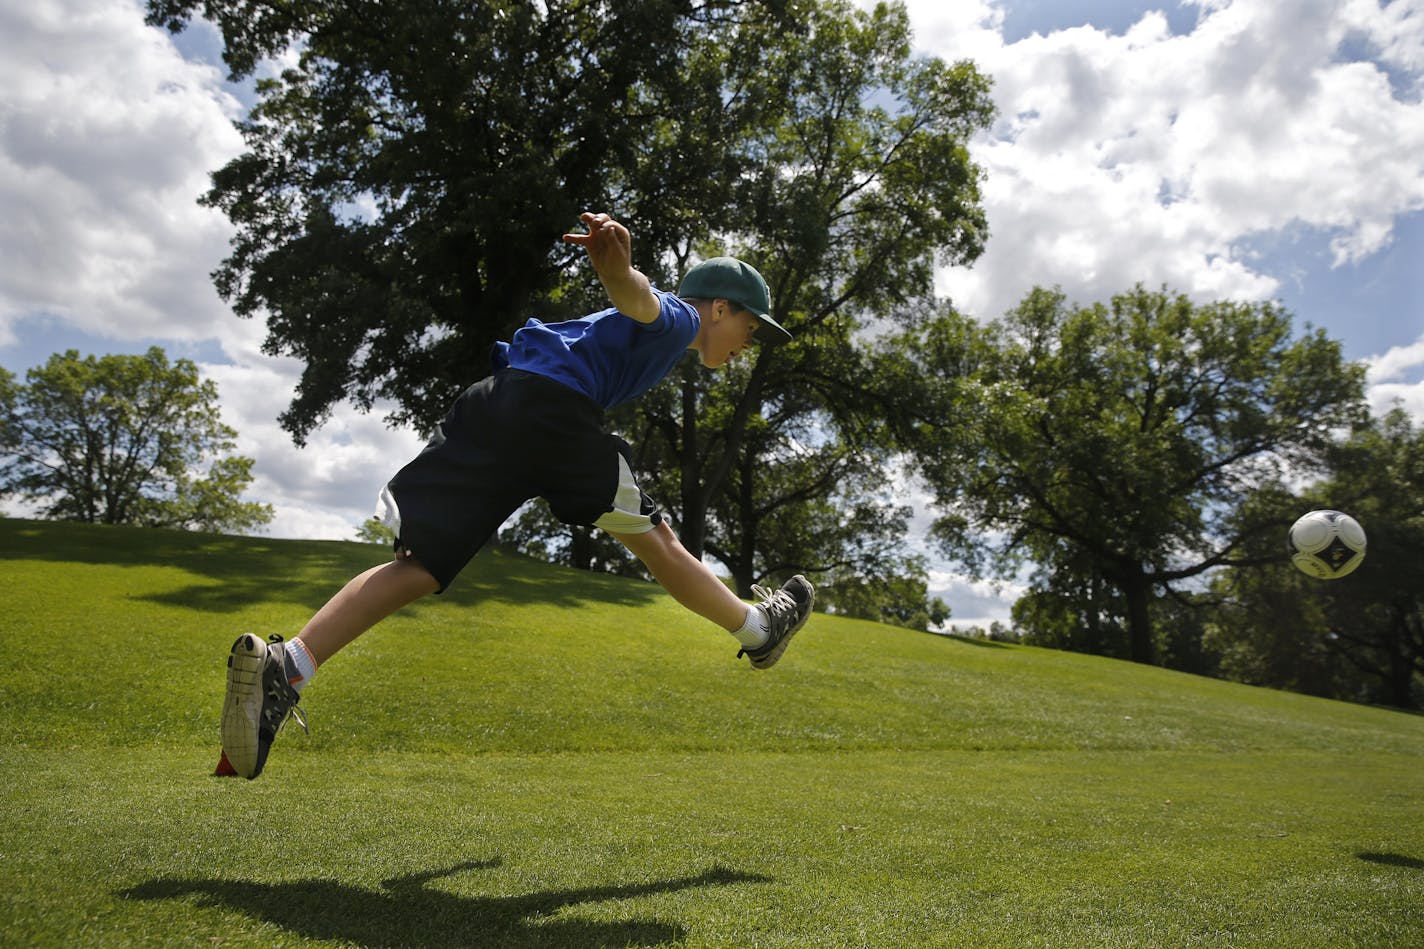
(363, 602)
(690, 581)
(264, 679)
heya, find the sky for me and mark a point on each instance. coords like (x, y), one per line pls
(1227, 149)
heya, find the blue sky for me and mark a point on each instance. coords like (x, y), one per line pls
(1245, 149)
(1026, 17)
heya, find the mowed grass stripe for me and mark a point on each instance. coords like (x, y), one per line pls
(862, 848)
(545, 757)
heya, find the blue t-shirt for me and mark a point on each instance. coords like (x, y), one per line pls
(607, 356)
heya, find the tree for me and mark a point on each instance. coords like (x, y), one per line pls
(1113, 447)
(405, 181)
(121, 440)
(1360, 637)
(399, 204)
(374, 531)
(1079, 611)
(856, 180)
(8, 394)
(1378, 621)
(895, 599)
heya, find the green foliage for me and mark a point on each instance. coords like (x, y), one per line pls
(857, 179)
(1378, 621)
(405, 184)
(548, 757)
(895, 599)
(374, 531)
(1076, 611)
(1360, 637)
(1114, 446)
(8, 395)
(406, 180)
(120, 440)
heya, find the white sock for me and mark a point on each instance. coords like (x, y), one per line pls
(300, 665)
(754, 631)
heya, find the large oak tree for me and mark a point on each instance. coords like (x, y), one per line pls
(1115, 446)
(406, 179)
(408, 173)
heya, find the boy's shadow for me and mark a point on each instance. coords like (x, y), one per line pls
(405, 913)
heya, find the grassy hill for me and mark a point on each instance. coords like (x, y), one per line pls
(545, 757)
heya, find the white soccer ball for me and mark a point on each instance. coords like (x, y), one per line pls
(1326, 544)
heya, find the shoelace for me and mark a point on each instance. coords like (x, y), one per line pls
(276, 717)
(778, 603)
(300, 718)
(271, 713)
(780, 609)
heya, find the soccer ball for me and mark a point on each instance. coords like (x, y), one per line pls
(1326, 544)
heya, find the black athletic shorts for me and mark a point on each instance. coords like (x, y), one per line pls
(511, 437)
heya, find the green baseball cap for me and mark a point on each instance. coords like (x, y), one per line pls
(727, 278)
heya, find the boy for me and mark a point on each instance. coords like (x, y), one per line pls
(534, 428)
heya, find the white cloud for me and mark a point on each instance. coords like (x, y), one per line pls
(1396, 362)
(1396, 379)
(106, 138)
(975, 602)
(1157, 158)
(965, 29)
(1396, 29)
(326, 488)
(1399, 395)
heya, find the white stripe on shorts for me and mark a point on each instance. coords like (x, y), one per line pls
(627, 516)
(387, 511)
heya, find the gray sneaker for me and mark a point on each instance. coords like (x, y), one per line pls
(786, 612)
(259, 701)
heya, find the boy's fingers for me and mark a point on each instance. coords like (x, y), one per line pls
(600, 226)
(594, 222)
(598, 222)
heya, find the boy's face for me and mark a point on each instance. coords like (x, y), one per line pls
(726, 331)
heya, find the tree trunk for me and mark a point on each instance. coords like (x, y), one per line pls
(695, 495)
(744, 571)
(1399, 671)
(1139, 620)
(581, 547)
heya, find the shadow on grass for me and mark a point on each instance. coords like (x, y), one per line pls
(972, 641)
(1392, 860)
(244, 570)
(405, 913)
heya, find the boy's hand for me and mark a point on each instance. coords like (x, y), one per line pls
(609, 245)
(610, 250)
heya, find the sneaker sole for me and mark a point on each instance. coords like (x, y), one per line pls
(242, 706)
(769, 660)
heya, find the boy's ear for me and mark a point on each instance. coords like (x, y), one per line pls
(728, 308)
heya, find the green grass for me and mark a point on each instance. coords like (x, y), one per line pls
(545, 758)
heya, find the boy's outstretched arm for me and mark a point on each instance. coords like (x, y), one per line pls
(610, 250)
